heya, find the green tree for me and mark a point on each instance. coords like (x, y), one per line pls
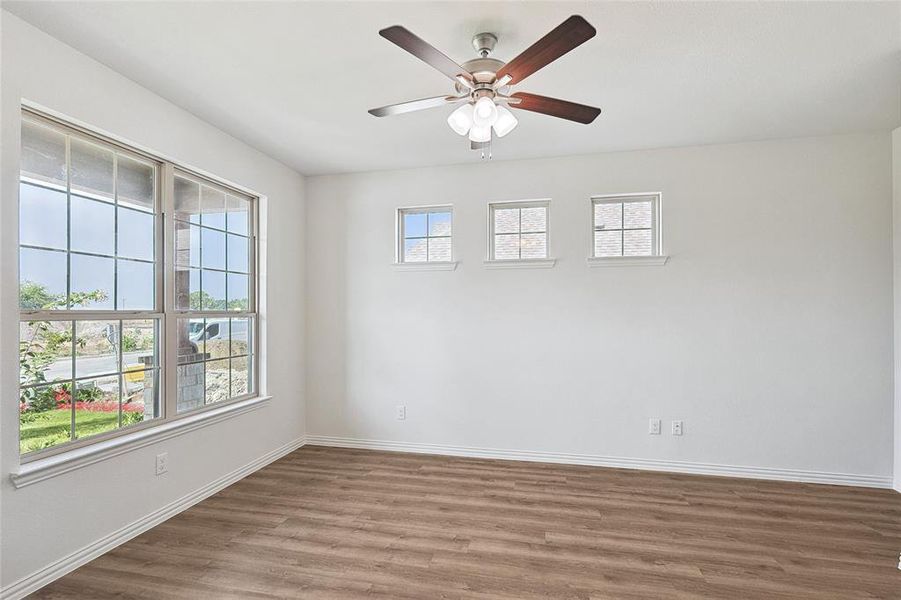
(44, 344)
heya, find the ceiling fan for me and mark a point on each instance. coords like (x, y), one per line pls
(483, 84)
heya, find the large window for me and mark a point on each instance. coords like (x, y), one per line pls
(100, 340)
(518, 230)
(213, 292)
(424, 234)
(626, 225)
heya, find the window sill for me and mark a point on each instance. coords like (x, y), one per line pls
(627, 261)
(51, 466)
(425, 266)
(534, 263)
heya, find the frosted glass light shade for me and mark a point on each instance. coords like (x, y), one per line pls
(480, 134)
(485, 112)
(505, 122)
(461, 119)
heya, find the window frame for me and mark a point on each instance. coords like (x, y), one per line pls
(656, 227)
(505, 204)
(400, 235)
(164, 293)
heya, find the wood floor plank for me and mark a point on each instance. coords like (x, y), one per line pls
(329, 523)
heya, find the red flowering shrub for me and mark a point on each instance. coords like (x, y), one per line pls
(103, 406)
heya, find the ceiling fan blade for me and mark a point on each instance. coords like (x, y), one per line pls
(424, 51)
(413, 105)
(564, 37)
(563, 109)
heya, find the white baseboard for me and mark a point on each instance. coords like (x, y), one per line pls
(39, 579)
(671, 466)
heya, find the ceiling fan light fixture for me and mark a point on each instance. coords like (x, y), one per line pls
(485, 112)
(505, 121)
(461, 119)
(480, 133)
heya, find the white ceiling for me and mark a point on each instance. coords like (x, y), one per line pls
(295, 79)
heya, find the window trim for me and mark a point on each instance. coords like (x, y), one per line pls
(164, 300)
(656, 258)
(520, 263)
(399, 235)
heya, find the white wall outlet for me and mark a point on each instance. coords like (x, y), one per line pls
(677, 427)
(401, 412)
(654, 426)
(162, 463)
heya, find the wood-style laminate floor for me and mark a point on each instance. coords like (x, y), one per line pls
(345, 524)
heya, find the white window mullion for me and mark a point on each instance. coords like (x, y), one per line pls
(169, 360)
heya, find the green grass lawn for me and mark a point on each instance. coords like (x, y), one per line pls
(42, 430)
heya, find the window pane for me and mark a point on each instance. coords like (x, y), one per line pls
(187, 245)
(241, 335)
(238, 292)
(608, 243)
(506, 220)
(238, 209)
(187, 200)
(440, 249)
(96, 348)
(212, 207)
(139, 396)
(506, 246)
(212, 249)
(534, 219)
(139, 347)
(212, 296)
(608, 216)
(415, 225)
(534, 245)
(191, 344)
(416, 250)
(134, 183)
(92, 169)
(217, 380)
(43, 154)
(187, 289)
(96, 406)
(93, 226)
(135, 281)
(440, 223)
(637, 243)
(45, 351)
(42, 217)
(189, 386)
(42, 424)
(241, 376)
(135, 237)
(92, 282)
(637, 215)
(217, 335)
(237, 253)
(42, 279)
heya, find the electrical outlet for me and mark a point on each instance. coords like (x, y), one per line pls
(654, 426)
(677, 427)
(401, 412)
(162, 463)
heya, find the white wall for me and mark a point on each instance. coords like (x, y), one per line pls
(46, 521)
(896, 171)
(769, 332)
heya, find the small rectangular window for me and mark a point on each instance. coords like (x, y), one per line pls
(626, 225)
(425, 234)
(518, 230)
